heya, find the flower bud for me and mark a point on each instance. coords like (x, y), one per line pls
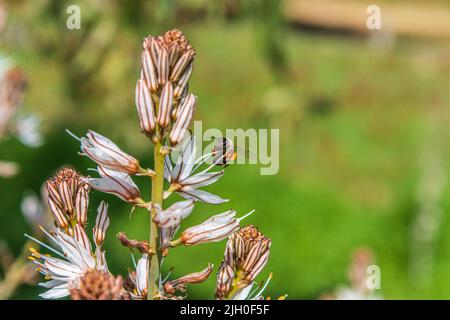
(246, 253)
(60, 217)
(149, 71)
(182, 83)
(163, 66)
(101, 223)
(174, 54)
(80, 235)
(181, 65)
(81, 205)
(165, 105)
(183, 119)
(67, 194)
(98, 285)
(145, 108)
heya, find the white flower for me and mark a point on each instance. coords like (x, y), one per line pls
(74, 260)
(28, 131)
(141, 279)
(107, 154)
(117, 183)
(185, 182)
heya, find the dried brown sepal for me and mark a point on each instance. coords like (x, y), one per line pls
(142, 246)
(170, 287)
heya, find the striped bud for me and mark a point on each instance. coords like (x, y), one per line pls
(64, 199)
(182, 83)
(101, 223)
(53, 193)
(174, 54)
(165, 105)
(154, 49)
(81, 206)
(163, 66)
(225, 278)
(184, 116)
(145, 108)
(246, 254)
(181, 64)
(65, 191)
(60, 217)
(81, 236)
(149, 71)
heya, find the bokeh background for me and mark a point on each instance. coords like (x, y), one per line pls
(363, 118)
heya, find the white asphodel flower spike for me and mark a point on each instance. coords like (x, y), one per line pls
(107, 154)
(185, 181)
(214, 229)
(117, 183)
(74, 260)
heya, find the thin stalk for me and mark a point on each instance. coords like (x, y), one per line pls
(157, 198)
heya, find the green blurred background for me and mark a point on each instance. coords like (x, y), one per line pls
(363, 133)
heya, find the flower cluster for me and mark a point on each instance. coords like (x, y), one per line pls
(165, 108)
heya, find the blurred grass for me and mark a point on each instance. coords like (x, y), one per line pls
(350, 118)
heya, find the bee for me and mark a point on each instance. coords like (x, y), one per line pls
(223, 151)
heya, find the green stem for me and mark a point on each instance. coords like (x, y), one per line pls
(157, 198)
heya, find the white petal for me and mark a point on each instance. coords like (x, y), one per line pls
(203, 196)
(243, 293)
(202, 179)
(142, 273)
(56, 292)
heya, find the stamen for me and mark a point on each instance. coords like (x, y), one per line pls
(245, 216)
(44, 245)
(73, 135)
(265, 285)
(133, 259)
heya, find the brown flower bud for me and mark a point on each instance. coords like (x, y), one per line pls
(68, 197)
(246, 254)
(98, 285)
